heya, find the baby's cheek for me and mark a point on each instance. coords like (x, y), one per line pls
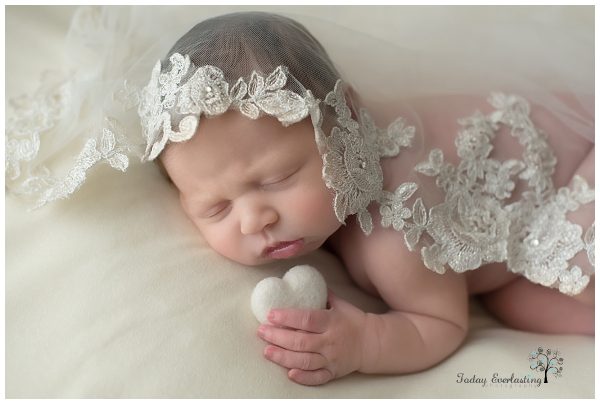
(219, 240)
(315, 205)
(224, 241)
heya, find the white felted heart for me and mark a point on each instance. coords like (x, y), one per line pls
(302, 287)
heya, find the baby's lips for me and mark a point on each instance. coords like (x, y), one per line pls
(285, 249)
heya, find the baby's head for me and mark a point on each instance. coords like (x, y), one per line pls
(251, 184)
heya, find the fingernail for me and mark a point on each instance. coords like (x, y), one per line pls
(261, 331)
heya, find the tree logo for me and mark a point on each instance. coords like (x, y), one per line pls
(549, 362)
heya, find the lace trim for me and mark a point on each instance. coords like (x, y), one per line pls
(27, 118)
(32, 118)
(473, 226)
(110, 147)
(174, 96)
(588, 240)
(351, 165)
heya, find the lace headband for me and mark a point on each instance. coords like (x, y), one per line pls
(185, 92)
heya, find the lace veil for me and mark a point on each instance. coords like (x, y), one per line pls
(137, 78)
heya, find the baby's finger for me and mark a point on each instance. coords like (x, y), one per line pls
(310, 377)
(300, 319)
(291, 359)
(289, 339)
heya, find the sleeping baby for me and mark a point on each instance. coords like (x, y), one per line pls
(282, 162)
(273, 158)
(427, 200)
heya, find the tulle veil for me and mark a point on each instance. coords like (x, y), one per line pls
(109, 52)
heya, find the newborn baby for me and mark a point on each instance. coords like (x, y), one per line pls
(426, 200)
(284, 163)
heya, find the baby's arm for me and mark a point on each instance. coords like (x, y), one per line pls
(403, 341)
(428, 316)
(427, 321)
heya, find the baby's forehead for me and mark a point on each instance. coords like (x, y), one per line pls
(232, 134)
(205, 180)
(239, 146)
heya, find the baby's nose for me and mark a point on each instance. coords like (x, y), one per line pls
(256, 220)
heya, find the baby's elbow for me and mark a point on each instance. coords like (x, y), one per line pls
(457, 330)
(461, 323)
(443, 344)
(457, 334)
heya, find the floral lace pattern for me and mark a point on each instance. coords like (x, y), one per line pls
(27, 120)
(93, 153)
(472, 227)
(589, 243)
(475, 226)
(173, 96)
(351, 163)
(32, 118)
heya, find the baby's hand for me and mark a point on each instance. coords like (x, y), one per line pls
(316, 345)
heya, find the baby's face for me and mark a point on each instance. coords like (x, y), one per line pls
(251, 185)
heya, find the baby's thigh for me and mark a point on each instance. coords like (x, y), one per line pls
(526, 306)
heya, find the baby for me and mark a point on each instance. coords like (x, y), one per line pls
(275, 164)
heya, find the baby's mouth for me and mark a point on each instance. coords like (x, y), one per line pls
(284, 249)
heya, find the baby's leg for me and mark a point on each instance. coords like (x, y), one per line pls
(526, 306)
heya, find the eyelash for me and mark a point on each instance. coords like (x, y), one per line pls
(279, 181)
(211, 215)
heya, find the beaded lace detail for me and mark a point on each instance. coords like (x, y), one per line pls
(474, 225)
(176, 96)
(351, 163)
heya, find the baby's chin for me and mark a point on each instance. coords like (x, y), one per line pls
(257, 262)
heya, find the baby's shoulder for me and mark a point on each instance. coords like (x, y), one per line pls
(382, 265)
(365, 256)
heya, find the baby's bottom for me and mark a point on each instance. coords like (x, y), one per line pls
(524, 305)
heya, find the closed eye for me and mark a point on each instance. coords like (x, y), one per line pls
(216, 210)
(279, 180)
